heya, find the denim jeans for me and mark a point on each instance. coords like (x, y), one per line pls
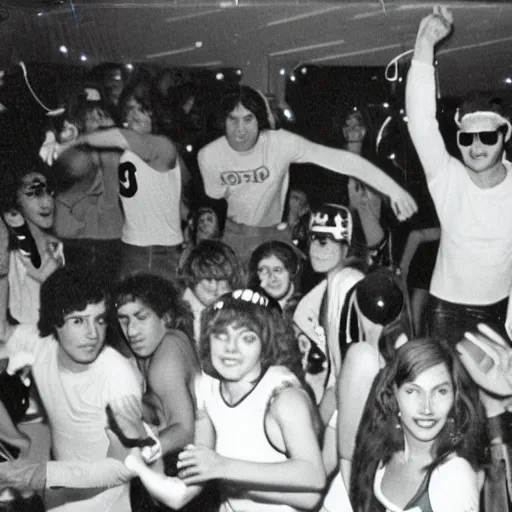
(450, 320)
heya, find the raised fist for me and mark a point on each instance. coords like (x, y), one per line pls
(436, 26)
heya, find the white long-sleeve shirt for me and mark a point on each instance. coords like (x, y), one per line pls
(474, 262)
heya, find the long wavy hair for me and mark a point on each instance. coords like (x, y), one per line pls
(278, 343)
(378, 437)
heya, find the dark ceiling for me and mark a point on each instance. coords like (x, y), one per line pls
(259, 37)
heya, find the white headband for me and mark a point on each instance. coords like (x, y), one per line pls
(484, 114)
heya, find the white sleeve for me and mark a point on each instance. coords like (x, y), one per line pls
(123, 381)
(454, 486)
(210, 167)
(420, 104)
(25, 338)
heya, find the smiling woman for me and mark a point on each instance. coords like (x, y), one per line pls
(420, 438)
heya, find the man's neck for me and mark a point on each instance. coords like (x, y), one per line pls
(66, 363)
(490, 177)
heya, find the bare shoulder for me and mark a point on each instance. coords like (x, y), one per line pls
(290, 400)
(175, 353)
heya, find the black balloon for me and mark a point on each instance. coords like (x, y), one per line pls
(379, 298)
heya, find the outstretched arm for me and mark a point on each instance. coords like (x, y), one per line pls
(350, 164)
(158, 151)
(420, 98)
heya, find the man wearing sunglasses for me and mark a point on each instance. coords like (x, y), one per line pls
(473, 196)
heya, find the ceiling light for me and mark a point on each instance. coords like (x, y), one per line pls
(129, 66)
(508, 80)
(199, 44)
(292, 78)
(219, 76)
(282, 71)
(83, 57)
(63, 49)
(189, 148)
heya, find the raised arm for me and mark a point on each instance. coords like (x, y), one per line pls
(157, 150)
(420, 97)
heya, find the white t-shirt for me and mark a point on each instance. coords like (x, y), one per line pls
(255, 182)
(75, 404)
(474, 262)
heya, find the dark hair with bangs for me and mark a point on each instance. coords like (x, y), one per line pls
(284, 252)
(212, 259)
(161, 296)
(145, 95)
(378, 438)
(249, 98)
(13, 170)
(279, 346)
(69, 289)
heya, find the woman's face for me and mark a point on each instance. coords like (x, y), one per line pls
(236, 353)
(425, 403)
(353, 128)
(275, 279)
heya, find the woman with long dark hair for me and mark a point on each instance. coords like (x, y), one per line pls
(421, 437)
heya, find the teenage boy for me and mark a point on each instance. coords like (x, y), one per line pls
(211, 269)
(29, 249)
(157, 325)
(473, 272)
(77, 376)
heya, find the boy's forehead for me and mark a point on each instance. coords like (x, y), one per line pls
(97, 308)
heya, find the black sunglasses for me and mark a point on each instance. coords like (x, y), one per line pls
(486, 138)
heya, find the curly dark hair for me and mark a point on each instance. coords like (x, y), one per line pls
(70, 288)
(212, 259)
(279, 346)
(378, 438)
(161, 296)
(250, 99)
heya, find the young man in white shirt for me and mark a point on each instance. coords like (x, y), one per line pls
(472, 277)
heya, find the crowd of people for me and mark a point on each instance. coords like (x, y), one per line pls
(237, 348)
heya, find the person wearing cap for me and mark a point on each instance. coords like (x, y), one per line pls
(319, 313)
(472, 277)
(249, 166)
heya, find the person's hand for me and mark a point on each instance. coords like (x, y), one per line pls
(151, 453)
(488, 359)
(48, 151)
(403, 204)
(436, 26)
(198, 464)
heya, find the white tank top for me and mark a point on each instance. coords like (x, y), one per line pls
(240, 429)
(151, 202)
